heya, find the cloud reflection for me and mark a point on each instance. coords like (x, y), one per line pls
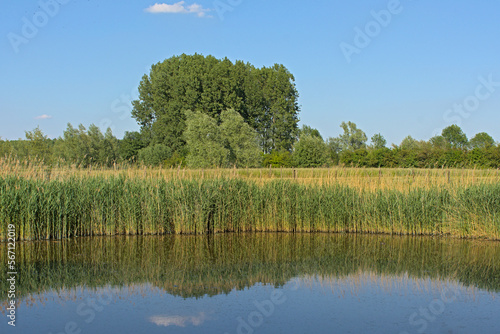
(179, 320)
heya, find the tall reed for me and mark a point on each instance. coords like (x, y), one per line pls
(116, 205)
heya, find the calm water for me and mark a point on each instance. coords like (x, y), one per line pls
(256, 283)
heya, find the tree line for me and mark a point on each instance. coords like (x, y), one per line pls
(204, 112)
(234, 143)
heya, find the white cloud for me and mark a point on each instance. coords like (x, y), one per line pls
(178, 8)
(180, 321)
(44, 116)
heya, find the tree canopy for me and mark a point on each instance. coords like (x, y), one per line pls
(232, 143)
(352, 138)
(454, 136)
(266, 98)
(481, 140)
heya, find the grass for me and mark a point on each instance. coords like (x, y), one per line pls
(90, 203)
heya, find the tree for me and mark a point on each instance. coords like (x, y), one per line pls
(481, 140)
(438, 142)
(154, 155)
(204, 142)
(309, 131)
(240, 139)
(334, 148)
(110, 149)
(408, 143)
(39, 145)
(310, 151)
(74, 146)
(378, 141)
(276, 114)
(454, 136)
(266, 98)
(232, 143)
(130, 145)
(87, 147)
(352, 138)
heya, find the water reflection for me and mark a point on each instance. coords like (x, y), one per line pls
(256, 283)
(178, 320)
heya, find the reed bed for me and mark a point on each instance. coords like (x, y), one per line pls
(119, 205)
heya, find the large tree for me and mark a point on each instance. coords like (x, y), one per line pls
(266, 98)
(482, 140)
(455, 137)
(353, 138)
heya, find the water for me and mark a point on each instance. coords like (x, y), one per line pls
(256, 283)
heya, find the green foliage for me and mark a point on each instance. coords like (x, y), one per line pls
(266, 98)
(438, 142)
(310, 151)
(334, 148)
(379, 157)
(174, 160)
(229, 141)
(352, 138)
(87, 147)
(232, 143)
(154, 155)
(408, 143)
(240, 139)
(39, 145)
(130, 146)
(204, 142)
(378, 141)
(455, 137)
(308, 131)
(278, 158)
(481, 140)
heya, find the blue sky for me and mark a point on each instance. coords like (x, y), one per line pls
(395, 67)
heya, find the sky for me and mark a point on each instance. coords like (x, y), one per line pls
(399, 68)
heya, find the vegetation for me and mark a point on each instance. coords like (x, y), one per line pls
(204, 112)
(232, 142)
(266, 98)
(117, 204)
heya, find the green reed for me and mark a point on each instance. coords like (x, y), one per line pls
(72, 207)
